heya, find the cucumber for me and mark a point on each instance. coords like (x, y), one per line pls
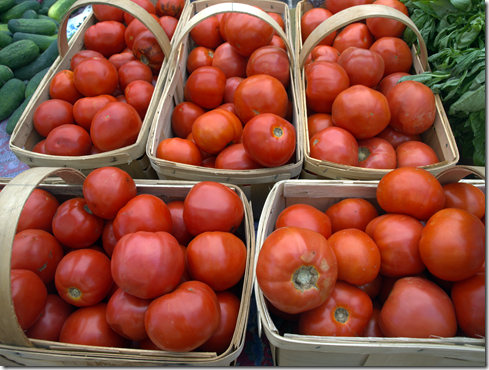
(17, 2)
(43, 11)
(3, 27)
(35, 26)
(34, 82)
(47, 4)
(42, 16)
(14, 118)
(30, 14)
(8, 33)
(6, 5)
(13, 94)
(5, 40)
(59, 9)
(42, 41)
(18, 10)
(45, 60)
(5, 75)
(19, 54)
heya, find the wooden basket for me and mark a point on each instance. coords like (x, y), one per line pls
(301, 350)
(131, 158)
(16, 348)
(439, 137)
(256, 183)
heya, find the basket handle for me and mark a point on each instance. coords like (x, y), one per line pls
(12, 198)
(355, 14)
(128, 6)
(234, 8)
(456, 173)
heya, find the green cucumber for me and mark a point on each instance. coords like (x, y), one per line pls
(5, 75)
(47, 4)
(30, 14)
(8, 33)
(17, 2)
(34, 82)
(6, 5)
(42, 41)
(3, 27)
(19, 54)
(59, 9)
(43, 11)
(45, 60)
(14, 118)
(36, 26)
(13, 94)
(5, 40)
(42, 16)
(18, 10)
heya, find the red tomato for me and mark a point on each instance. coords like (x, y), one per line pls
(306, 216)
(138, 94)
(411, 191)
(336, 6)
(206, 33)
(373, 224)
(222, 25)
(382, 27)
(180, 231)
(205, 87)
(29, 295)
(62, 86)
(81, 56)
(108, 239)
(212, 206)
(376, 153)
(85, 109)
(234, 157)
(183, 117)
(96, 76)
(133, 30)
(88, 326)
(106, 37)
(396, 138)
(229, 61)
(199, 57)
(351, 213)
(389, 81)
(318, 122)
(373, 288)
(145, 4)
(322, 52)
(313, 18)
(278, 42)
(50, 114)
(38, 211)
(283, 315)
(334, 144)
(363, 66)
(75, 226)
(125, 315)
(395, 52)
(452, 244)
(169, 25)
(355, 34)
(296, 269)
(68, 140)
(373, 328)
(83, 277)
(345, 313)
(170, 7)
(179, 150)
(147, 50)
(118, 60)
(132, 71)
(39, 147)
(417, 308)
(272, 61)
(464, 196)
(415, 154)
(107, 13)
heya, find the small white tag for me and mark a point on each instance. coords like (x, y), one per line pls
(76, 20)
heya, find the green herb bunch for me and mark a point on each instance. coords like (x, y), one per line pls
(454, 33)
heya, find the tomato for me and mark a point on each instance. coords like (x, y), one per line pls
(62, 86)
(395, 52)
(96, 76)
(322, 52)
(336, 6)
(412, 106)
(52, 113)
(183, 117)
(373, 328)
(38, 251)
(382, 27)
(464, 196)
(147, 50)
(29, 295)
(299, 261)
(229, 61)
(108, 239)
(324, 81)
(115, 126)
(83, 277)
(81, 56)
(38, 211)
(452, 244)
(39, 147)
(118, 60)
(313, 18)
(376, 153)
(355, 34)
(357, 255)
(417, 308)
(75, 226)
(205, 87)
(204, 154)
(351, 213)
(138, 94)
(199, 57)
(125, 315)
(272, 61)
(206, 33)
(468, 298)
(180, 231)
(246, 33)
(184, 319)
(278, 42)
(229, 107)
(362, 111)
(318, 122)
(283, 315)
(144, 212)
(212, 198)
(106, 37)
(221, 339)
(411, 191)
(52, 318)
(170, 7)
(88, 326)
(68, 140)
(215, 129)
(179, 150)
(373, 288)
(345, 313)
(389, 81)
(169, 25)
(363, 66)
(396, 138)
(415, 154)
(277, 18)
(306, 216)
(85, 109)
(134, 29)
(222, 25)
(234, 157)
(107, 13)
(145, 4)
(132, 71)
(334, 144)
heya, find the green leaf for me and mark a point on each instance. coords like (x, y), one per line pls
(471, 101)
(478, 124)
(464, 5)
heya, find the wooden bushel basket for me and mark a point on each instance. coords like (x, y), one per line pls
(301, 350)
(439, 137)
(131, 158)
(255, 183)
(17, 349)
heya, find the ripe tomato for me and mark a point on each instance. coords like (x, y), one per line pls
(222, 25)
(417, 308)
(313, 18)
(52, 113)
(278, 42)
(395, 52)
(234, 157)
(115, 126)
(317, 122)
(147, 50)
(411, 191)
(272, 61)
(229, 61)
(246, 33)
(179, 150)
(85, 109)
(373, 288)
(322, 52)
(83, 277)
(88, 326)
(376, 153)
(132, 71)
(382, 27)
(144, 212)
(199, 57)
(180, 231)
(206, 33)
(108, 239)
(357, 255)
(389, 81)
(75, 226)
(396, 138)
(169, 25)
(29, 295)
(373, 224)
(345, 313)
(138, 94)
(183, 117)
(69, 140)
(170, 7)
(107, 13)
(363, 66)
(39, 147)
(452, 244)
(334, 144)
(96, 76)
(81, 56)
(118, 60)
(205, 87)
(106, 37)
(62, 86)
(355, 34)
(373, 328)
(269, 140)
(145, 4)
(306, 216)
(415, 154)
(336, 6)
(125, 315)
(299, 261)
(464, 196)
(351, 213)
(168, 317)
(38, 211)
(277, 18)
(133, 30)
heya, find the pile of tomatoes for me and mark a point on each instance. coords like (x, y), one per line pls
(100, 103)
(118, 268)
(416, 269)
(237, 113)
(359, 114)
